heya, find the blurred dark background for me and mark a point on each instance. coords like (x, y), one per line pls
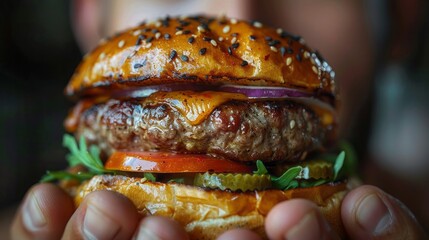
(38, 54)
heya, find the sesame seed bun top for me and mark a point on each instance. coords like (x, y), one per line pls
(202, 50)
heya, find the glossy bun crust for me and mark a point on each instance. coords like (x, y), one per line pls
(206, 214)
(204, 50)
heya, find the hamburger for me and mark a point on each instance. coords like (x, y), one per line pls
(209, 121)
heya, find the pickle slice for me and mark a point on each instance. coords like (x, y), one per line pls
(233, 181)
(314, 169)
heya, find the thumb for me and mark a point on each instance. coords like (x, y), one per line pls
(370, 213)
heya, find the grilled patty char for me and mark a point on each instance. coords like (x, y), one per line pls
(237, 130)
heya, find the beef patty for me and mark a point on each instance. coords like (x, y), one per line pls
(237, 130)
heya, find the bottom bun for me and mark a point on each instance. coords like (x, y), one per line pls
(206, 214)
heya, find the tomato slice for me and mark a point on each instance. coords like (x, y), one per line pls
(164, 162)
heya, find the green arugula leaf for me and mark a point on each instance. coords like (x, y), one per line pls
(261, 169)
(339, 162)
(293, 184)
(286, 178)
(149, 176)
(90, 158)
(63, 175)
(351, 161)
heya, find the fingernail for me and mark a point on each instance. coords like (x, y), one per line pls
(98, 225)
(307, 228)
(32, 215)
(373, 215)
(145, 233)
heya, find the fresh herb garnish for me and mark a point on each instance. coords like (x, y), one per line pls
(56, 175)
(288, 179)
(260, 168)
(149, 176)
(79, 155)
(339, 162)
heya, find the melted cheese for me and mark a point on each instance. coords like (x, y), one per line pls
(194, 106)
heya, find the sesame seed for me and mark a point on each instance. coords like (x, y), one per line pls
(220, 39)
(274, 49)
(283, 51)
(213, 42)
(102, 41)
(317, 61)
(284, 34)
(140, 39)
(289, 50)
(138, 65)
(207, 39)
(183, 23)
(268, 38)
(204, 26)
(184, 58)
(306, 54)
(252, 37)
(298, 57)
(273, 42)
(149, 40)
(200, 29)
(158, 24)
(137, 32)
(314, 68)
(191, 40)
(226, 29)
(180, 32)
(157, 35)
(121, 43)
(279, 31)
(233, 21)
(165, 22)
(173, 54)
(233, 40)
(288, 61)
(244, 63)
(292, 124)
(146, 30)
(167, 36)
(235, 45)
(234, 34)
(257, 24)
(229, 50)
(102, 55)
(155, 30)
(186, 32)
(148, 45)
(203, 51)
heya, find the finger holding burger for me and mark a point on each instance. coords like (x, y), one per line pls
(48, 197)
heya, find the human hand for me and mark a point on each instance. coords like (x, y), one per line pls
(48, 213)
(367, 213)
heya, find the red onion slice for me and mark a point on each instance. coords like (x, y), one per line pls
(264, 92)
(145, 91)
(252, 92)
